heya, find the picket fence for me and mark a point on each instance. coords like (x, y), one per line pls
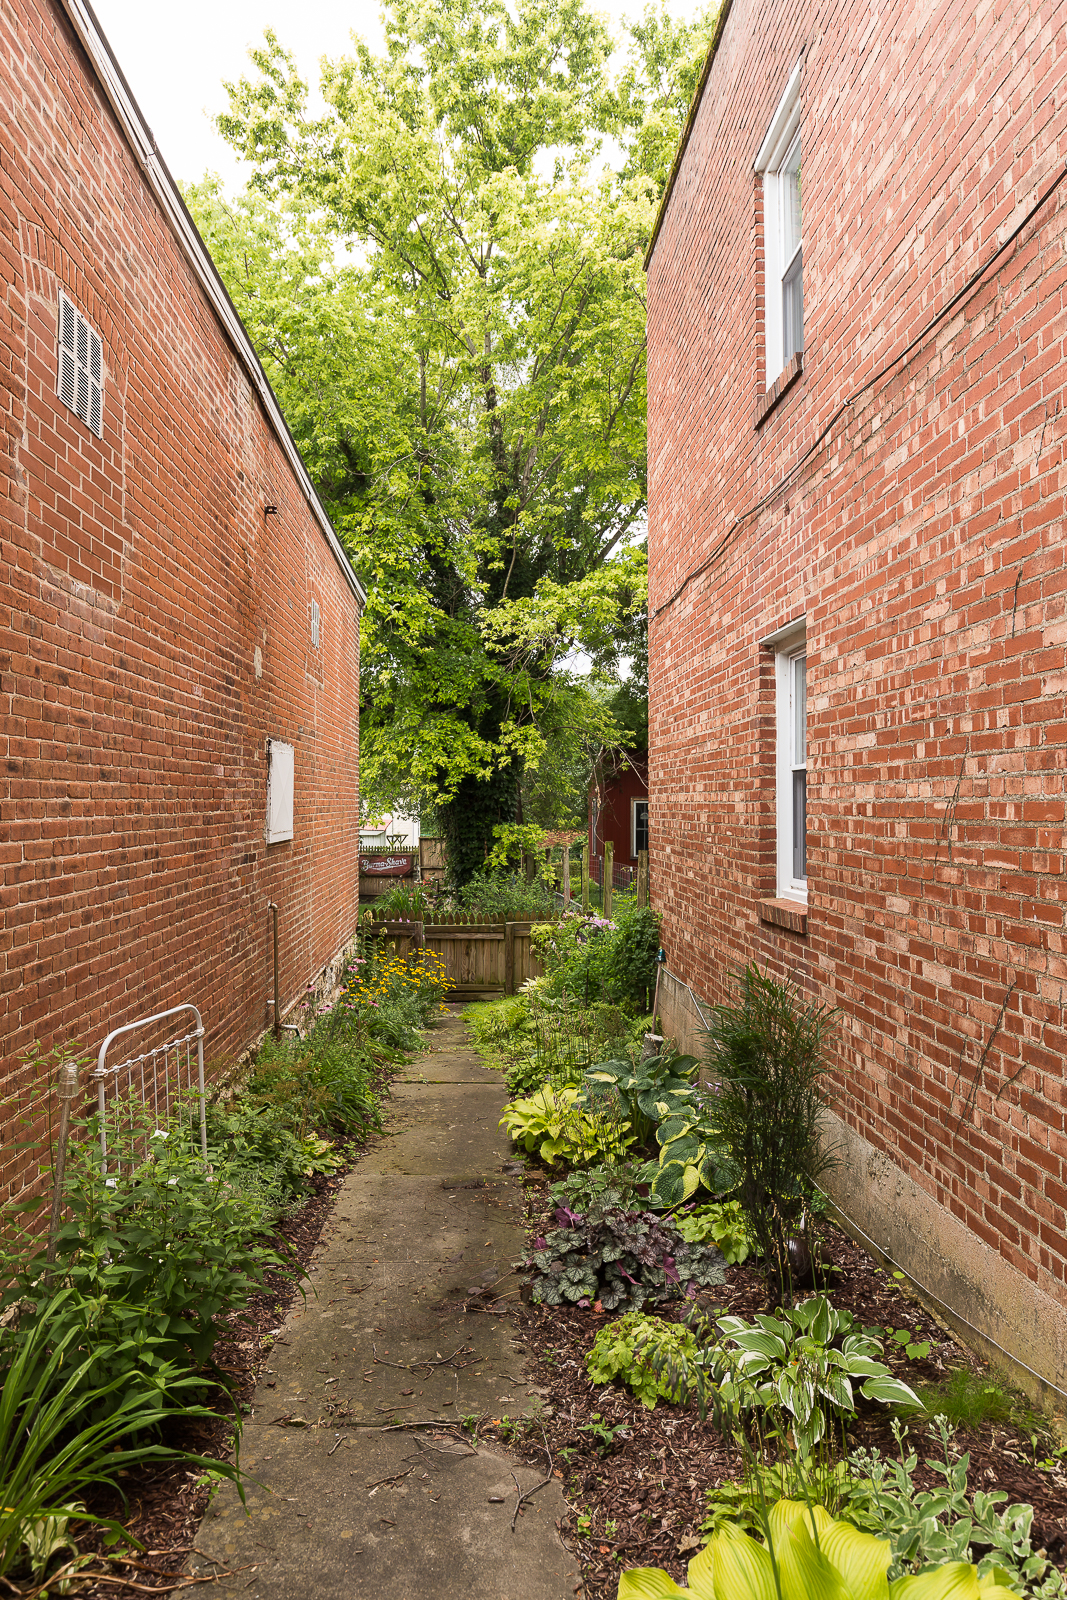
(479, 957)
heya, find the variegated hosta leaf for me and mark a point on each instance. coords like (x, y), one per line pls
(755, 1342)
(892, 1392)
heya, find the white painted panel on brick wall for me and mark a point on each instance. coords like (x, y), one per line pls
(280, 780)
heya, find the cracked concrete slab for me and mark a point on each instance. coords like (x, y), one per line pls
(348, 1500)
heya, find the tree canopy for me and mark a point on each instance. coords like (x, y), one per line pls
(443, 276)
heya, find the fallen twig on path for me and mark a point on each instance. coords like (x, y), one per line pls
(537, 1486)
(395, 1479)
(409, 1366)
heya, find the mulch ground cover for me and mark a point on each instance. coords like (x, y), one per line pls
(640, 1501)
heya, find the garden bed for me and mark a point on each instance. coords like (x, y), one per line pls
(640, 1499)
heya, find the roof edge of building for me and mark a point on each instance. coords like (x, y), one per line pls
(113, 82)
(698, 94)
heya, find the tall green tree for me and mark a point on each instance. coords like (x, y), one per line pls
(444, 278)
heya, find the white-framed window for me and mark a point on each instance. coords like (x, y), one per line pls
(281, 766)
(80, 367)
(638, 827)
(791, 758)
(783, 237)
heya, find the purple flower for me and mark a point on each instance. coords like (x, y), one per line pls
(670, 1272)
(540, 1244)
(568, 1218)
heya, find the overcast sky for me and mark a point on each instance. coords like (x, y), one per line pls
(175, 58)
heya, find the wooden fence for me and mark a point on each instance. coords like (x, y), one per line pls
(479, 957)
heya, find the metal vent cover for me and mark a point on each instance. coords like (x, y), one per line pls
(80, 376)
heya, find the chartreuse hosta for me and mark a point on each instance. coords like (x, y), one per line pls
(808, 1556)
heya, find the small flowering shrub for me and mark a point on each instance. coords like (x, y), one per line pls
(623, 1350)
(388, 997)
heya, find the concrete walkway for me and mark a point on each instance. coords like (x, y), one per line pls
(430, 1214)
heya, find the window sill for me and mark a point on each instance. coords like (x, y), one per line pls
(780, 387)
(791, 914)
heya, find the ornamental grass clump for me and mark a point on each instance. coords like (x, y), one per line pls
(769, 1053)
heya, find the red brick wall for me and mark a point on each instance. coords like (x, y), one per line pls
(154, 623)
(924, 539)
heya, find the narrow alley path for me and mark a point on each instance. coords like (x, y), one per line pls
(344, 1509)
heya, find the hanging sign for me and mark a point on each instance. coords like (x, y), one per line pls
(399, 866)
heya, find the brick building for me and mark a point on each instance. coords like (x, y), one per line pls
(176, 614)
(858, 636)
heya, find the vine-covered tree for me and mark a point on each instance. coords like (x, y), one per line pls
(443, 276)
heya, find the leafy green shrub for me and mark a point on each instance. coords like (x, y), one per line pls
(633, 956)
(814, 1558)
(268, 1159)
(553, 1123)
(498, 1019)
(619, 1258)
(151, 1256)
(769, 1052)
(928, 1527)
(723, 1223)
(506, 896)
(622, 1350)
(415, 901)
(322, 1081)
(50, 1450)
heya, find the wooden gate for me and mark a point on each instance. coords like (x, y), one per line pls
(479, 957)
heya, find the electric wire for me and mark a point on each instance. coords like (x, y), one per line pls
(936, 1298)
(961, 294)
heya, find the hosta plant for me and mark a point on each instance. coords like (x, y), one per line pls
(553, 1123)
(646, 1093)
(621, 1259)
(691, 1155)
(623, 1349)
(805, 1365)
(808, 1556)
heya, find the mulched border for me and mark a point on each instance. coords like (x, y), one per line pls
(642, 1503)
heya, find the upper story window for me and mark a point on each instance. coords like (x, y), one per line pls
(783, 237)
(80, 374)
